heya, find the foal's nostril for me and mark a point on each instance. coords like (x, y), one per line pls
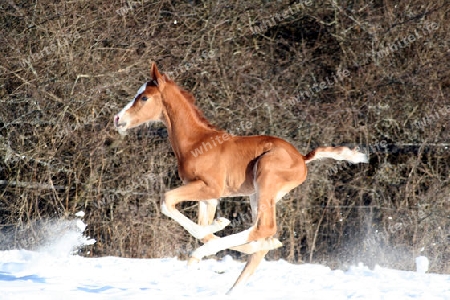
(116, 121)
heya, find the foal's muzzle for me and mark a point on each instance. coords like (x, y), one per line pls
(116, 122)
(119, 126)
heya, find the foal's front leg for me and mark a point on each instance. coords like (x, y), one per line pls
(193, 191)
(206, 213)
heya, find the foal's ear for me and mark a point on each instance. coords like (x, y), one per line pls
(154, 73)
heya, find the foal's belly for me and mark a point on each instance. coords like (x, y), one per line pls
(236, 189)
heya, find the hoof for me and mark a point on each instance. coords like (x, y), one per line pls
(208, 238)
(248, 248)
(276, 243)
(255, 246)
(272, 244)
(220, 223)
(206, 232)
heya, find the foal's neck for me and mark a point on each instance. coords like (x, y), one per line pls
(185, 124)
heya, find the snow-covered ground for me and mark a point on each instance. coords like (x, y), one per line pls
(53, 273)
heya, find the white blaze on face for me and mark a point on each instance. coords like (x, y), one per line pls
(140, 91)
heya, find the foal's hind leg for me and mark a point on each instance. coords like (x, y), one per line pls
(193, 191)
(262, 244)
(276, 174)
(250, 267)
(259, 235)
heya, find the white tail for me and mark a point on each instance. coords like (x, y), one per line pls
(337, 153)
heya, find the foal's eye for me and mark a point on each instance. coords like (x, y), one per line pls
(144, 98)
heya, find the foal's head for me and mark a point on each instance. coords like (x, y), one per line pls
(146, 106)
